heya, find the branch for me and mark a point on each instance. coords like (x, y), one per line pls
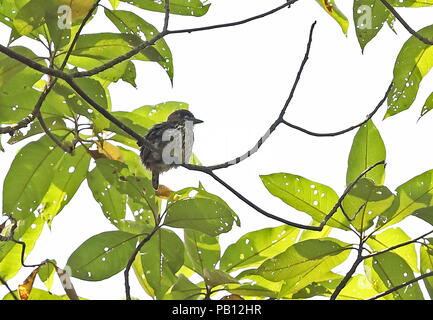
(349, 274)
(276, 122)
(405, 284)
(405, 24)
(337, 133)
(65, 148)
(36, 110)
(131, 261)
(3, 281)
(361, 258)
(274, 217)
(236, 23)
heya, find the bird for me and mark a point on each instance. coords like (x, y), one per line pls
(173, 141)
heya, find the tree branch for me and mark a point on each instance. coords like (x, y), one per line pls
(405, 284)
(3, 281)
(274, 217)
(236, 23)
(405, 24)
(131, 261)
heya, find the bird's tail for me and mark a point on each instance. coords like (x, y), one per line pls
(155, 180)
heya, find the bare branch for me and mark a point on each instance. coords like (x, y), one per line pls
(236, 23)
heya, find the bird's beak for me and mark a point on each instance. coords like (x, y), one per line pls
(197, 121)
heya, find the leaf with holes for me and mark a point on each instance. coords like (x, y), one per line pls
(161, 258)
(53, 124)
(27, 182)
(209, 216)
(413, 196)
(388, 270)
(303, 262)
(413, 62)
(257, 246)
(93, 50)
(71, 171)
(182, 7)
(102, 182)
(369, 17)
(313, 198)
(365, 202)
(129, 23)
(202, 250)
(367, 149)
(28, 231)
(102, 256)
(392, 237)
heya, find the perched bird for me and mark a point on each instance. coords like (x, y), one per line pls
(173, 141)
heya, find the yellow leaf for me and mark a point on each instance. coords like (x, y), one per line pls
(27, 286)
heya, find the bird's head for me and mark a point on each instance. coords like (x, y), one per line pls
(182, 116)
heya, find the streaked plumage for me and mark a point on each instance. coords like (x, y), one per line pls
(168, 137)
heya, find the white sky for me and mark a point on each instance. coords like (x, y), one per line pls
(237, 81)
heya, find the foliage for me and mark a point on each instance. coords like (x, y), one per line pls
(179, 236)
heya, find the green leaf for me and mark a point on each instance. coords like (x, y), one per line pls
(426, 266)
(313, 234)
(323, 286)
(205, 215)
(28, 231)
(411, 3)
(392, 237)
(428, 105)
(413, 196)
(93, 50)
(161, 258)
(413, 62)
(369, 17)
(102, 183)
(184, 289)
(203, 250)
(214, 278)
(388, 270)
(102, 255)
(254, 247)
(46, 273)
(313, 198)
(27, 182)
(53, 124)
(71, 171)
(40, 17)
(331, 8)
(303, 262)
(367, 149)
(365, 202)
(129, 23)
(357, 288)
(93, 89)
(182, 7)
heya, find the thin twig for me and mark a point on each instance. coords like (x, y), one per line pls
(236, 23)
(131, 261)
